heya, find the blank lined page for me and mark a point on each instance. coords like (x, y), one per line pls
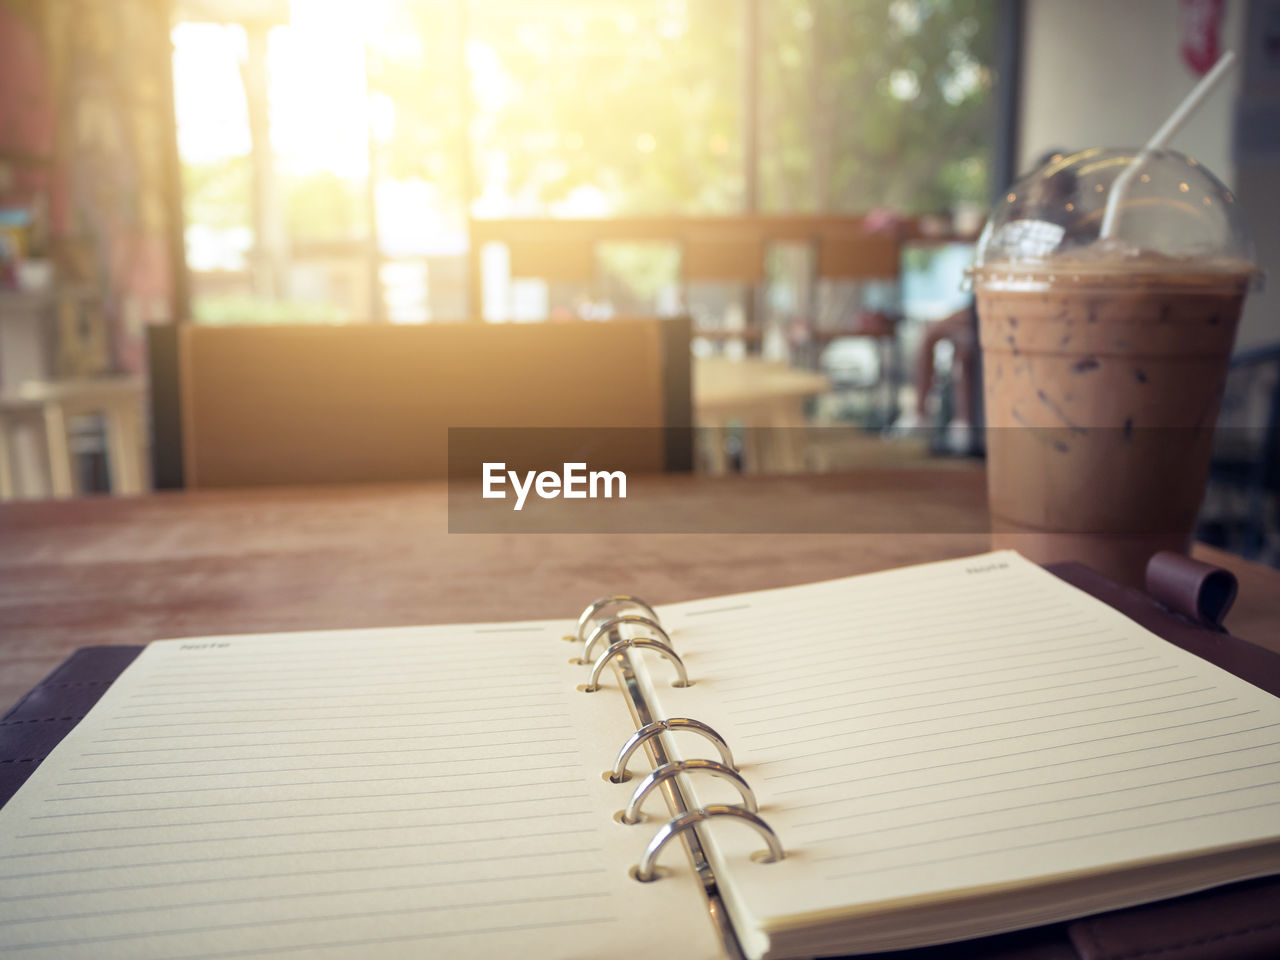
(426, 792)
(965, 724)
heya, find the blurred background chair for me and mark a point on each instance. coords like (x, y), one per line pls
(236, 406)
(722, 271)
(858, 339)
(1240, 510)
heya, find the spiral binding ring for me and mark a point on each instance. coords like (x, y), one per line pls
(602, 630)
(651, 730)
(669, 770)
(645, 871)
(640, 643)
(621, 599)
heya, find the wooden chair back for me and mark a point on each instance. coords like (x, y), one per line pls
(344, 404)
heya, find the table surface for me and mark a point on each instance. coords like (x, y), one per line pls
(84, 390)
(720, 382)
(130, 570)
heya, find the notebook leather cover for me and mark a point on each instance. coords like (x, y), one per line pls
(1236, 922)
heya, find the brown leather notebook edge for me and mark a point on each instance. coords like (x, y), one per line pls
(50, 710)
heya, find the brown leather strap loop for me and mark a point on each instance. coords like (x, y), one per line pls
(1198, 591)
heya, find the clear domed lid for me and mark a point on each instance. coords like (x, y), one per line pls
(1169, 214)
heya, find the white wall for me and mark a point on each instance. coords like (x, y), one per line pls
(1106, 73)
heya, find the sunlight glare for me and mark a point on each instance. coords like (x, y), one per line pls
(319, 110)
(213, 123)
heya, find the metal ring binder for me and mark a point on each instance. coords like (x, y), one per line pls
(643, 714)
(620, 599)
(669, 770)
(651, 730)
(644, 872)
(602, 630)
(638, 644)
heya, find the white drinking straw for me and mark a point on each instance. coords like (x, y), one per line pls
(1162, 136)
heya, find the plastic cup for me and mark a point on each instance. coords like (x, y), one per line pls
(1104, 361)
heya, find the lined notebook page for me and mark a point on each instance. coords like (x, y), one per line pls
(961, 724)
(426, 792)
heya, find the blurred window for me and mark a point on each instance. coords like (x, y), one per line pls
(875, 104)
(333, 151)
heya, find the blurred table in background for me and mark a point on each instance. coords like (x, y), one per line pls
(753, 394)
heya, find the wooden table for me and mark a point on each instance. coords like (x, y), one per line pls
(129, 570)
(755, 394)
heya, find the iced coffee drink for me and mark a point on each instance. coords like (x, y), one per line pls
(1105, 358)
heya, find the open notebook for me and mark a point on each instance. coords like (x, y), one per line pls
(942, 751)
